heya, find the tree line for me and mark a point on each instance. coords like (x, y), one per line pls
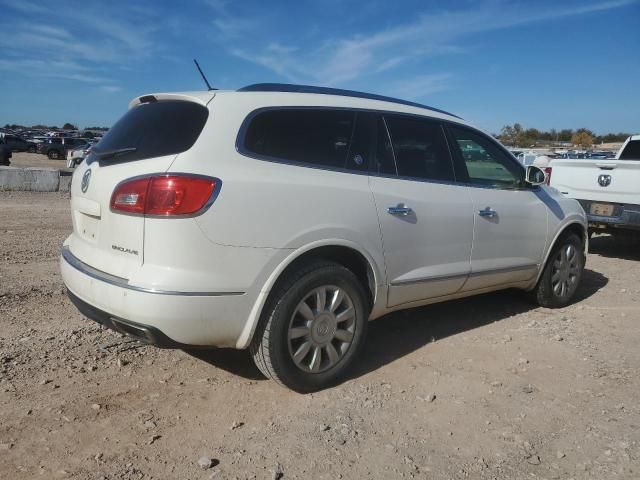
(66, 126)
(517, 136)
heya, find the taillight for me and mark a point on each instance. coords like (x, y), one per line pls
(547, 173)
(163, 195)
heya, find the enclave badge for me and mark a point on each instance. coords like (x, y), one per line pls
(86, 178)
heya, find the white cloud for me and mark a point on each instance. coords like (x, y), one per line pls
(79, 42)
(110, 88)
(337, 61)
(422, 85)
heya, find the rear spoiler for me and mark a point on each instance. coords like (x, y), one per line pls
(203, 98)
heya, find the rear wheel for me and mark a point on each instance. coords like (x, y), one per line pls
(562, 273)
(313, 328)
(31, 149)
(53, 154)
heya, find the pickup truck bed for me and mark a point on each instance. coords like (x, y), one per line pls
(608, 189)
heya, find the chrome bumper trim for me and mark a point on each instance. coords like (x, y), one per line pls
(88, 270)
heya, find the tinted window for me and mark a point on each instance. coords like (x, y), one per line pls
(486, 163)
(319, 137)
(153, 130)
(420, 148)
(362, 148)
(631, 151)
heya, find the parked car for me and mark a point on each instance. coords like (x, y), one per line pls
(57, 147)
(282, 218)
(600, 155)
(16, 143)
(5, 153)
(608, 189)
(75, 156)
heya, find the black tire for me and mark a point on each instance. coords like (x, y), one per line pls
(31, 149)
(271, 347)
(545, 293)
(53, 154)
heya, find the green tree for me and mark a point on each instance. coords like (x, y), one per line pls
(69, 126)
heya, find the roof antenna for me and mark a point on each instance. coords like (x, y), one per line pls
(209, 87)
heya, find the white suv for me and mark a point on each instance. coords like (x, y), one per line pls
(281, 218)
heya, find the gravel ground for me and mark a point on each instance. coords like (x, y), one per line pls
(25, 159)
(488, 387)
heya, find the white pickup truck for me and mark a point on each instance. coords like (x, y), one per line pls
(608, 189)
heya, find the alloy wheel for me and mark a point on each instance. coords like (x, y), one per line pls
(321, 329)
(566, 271)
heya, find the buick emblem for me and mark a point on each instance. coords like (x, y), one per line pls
(86, 178)
(604, 180)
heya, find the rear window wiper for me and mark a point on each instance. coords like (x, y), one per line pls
(114, 152)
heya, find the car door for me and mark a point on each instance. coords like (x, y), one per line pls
(426, 219)
(510, 219)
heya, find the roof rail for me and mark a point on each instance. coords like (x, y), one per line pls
(287, 87)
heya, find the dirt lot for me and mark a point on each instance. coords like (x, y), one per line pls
(24, 159)
(488, 387)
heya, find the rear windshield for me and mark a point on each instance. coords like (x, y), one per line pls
(153, 130)
(631, 151)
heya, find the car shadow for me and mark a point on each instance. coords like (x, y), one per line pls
(626, 247)
(400, 333)
(237, 362)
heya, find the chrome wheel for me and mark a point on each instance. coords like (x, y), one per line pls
(566, 271)
(321, 329)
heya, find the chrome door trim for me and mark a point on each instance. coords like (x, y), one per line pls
(436, 278)
(490, 271)
(515, 268)
(114, 280)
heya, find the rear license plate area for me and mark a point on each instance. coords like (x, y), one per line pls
(601, 209)
(88, 227)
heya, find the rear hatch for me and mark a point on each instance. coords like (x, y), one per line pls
(613, 181)
(146, 140)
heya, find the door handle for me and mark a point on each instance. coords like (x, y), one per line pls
(400, 209)
(487, 212)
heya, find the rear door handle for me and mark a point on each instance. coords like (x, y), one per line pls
(400, 209)
(487, 212)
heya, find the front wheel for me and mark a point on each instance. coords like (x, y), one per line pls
(53, 154)
(562, 273)
(312, 328)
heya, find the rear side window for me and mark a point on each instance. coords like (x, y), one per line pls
(631, 151)
(314, 136)
(153, 130)
(420, 149)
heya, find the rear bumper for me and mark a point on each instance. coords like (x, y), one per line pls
(144, 333)
(164, 318)
(625, 216)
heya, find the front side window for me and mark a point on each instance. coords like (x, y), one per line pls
(314, 136)
(420, 148)
(486, 163)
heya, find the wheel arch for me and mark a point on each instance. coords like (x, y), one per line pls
(346, 253)
(575, 227)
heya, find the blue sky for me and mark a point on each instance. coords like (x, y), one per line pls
(543, 63)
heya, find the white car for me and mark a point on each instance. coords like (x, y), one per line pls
(76, 155)
(282, 218)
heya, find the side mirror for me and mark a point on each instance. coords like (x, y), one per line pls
(535, 176)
